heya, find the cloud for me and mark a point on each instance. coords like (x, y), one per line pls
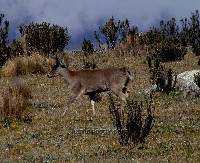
(82, 16)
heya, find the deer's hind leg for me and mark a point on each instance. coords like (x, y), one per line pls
(93, 99)
(125, 91)
(119, 92)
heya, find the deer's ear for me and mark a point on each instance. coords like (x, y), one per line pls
(52, 60)
(63, 60)
(62, 63)
(57, 60)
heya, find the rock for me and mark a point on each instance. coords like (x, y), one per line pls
(184, 83)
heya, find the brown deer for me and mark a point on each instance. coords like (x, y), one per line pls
(91, 82)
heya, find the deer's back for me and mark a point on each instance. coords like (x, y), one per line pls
(101, 78)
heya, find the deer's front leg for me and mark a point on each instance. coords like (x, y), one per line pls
(77, 91)
(71, 101)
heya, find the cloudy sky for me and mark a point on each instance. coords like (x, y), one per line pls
(82, 17)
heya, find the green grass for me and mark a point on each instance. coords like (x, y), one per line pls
(51, 137)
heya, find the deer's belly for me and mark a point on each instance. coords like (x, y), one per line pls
(97, 90)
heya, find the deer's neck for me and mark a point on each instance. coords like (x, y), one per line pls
(66, 74)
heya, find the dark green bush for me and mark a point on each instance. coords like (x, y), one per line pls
(16, 48)
(166, 41)
(194, 32)
(110, 32)
(114, 32)
(89, 63)
(164, 79)
(4, 49)
(132, 126)
(168, 51)
(196, 49)
(87, 47)
(198, 62)
(197, 79)
(44, 37)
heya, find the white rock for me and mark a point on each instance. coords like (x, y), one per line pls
(184, 83)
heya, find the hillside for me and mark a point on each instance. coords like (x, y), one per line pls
(51, 137)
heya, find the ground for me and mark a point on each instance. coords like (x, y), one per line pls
(50, 137)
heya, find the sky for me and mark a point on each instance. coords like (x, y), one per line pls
(83, 17)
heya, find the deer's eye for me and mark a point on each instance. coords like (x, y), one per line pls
(55, 67)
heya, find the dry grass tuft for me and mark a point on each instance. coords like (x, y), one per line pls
(15, 101)
(23, 65)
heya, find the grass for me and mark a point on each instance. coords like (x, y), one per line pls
(23, 65)
(51, 137)
(14, 102)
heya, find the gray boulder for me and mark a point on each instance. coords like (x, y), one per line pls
(184, 83)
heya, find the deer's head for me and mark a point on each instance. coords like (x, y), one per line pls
(56, 68)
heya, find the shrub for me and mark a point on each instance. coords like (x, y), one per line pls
(198, 63)
(44, 37)
(168, 51)
(114, 32)
(167, 42)
(164, 42)
(110, 32)
(165, 80)
(129, 43)
(16, 48)
(87, 47)
(186, 34)
(131, 125)
(196, 49)
(89, 63)
(4, 49)
(197, 79)
(15, 102)
(193, 31)
(22, 65)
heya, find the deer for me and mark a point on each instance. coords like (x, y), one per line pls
(92, 81)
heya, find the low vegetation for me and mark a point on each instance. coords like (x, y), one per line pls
(15, 104)
(23, 65)
(44, 38)
(197, 79)
(4, 49)
(165, 129)
(78, 137)
(87, 47)
(165, 79)
(130, 123)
